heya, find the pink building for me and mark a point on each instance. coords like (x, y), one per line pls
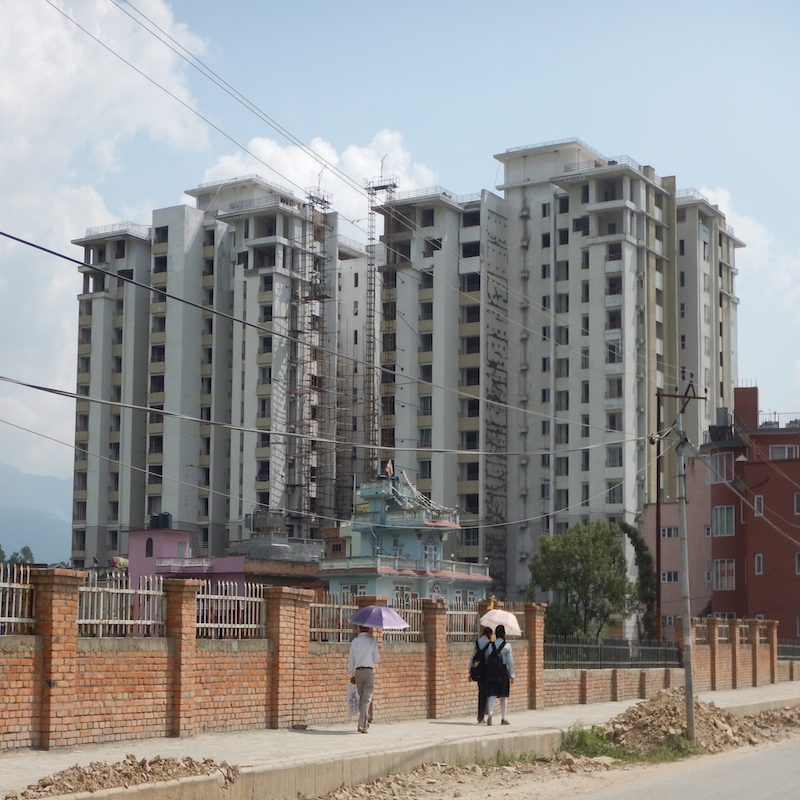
(662, 538)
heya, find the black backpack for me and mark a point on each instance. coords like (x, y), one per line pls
(496, 670)
(478, 665)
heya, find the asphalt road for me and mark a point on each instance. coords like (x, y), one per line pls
(764, 773)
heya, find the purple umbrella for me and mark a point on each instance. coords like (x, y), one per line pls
(378, 617)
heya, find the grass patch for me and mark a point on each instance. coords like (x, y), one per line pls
(592, 742)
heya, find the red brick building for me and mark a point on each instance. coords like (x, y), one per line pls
(754, 470)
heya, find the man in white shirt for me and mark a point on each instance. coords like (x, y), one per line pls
(364, 654)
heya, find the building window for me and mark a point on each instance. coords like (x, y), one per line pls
(472, 314)
(545, 209)
(470, 537)
(758, 564)
(780, 452)
(562, 270)
(162, 235)
(584, 426)
(614, 493)
(545, 364)
(669, 533)
(425, 470)
(758, 505)
(613, 353)
(670, 576)
(471, 503)
(563, 235)
(722, 523)
(562, 433)
(470, 249)
(614, 388)
(614, 421)
(584, 358)
(723, 577)
(614, 456)
(563, 204)
(545, 240)
(562, 466)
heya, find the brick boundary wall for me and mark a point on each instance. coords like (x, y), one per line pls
(59, 689)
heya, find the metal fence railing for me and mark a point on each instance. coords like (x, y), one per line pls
(462, 623)
(572, 652)
(16, 600)
(789, 650)
(411, 612)
(226, 610)
(110, 607)
(329, 617)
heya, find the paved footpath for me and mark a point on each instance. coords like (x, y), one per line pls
(388, 747)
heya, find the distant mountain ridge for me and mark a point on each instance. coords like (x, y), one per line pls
(35, 510)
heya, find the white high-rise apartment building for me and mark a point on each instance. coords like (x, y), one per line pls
(623, 288)
(222, 358)
(525, 342)
(517, 353)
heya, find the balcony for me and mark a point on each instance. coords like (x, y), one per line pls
(356, 564)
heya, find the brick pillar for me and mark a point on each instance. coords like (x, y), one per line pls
(772, 641)
(181, 628)
(753, 624)
(288, 624)
(434, 627)
(736, 653)
(534, 635)
(56, 613)
(712, 626)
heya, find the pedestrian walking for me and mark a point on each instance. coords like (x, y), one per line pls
(364, 655)
(477, 669)
(499, 675)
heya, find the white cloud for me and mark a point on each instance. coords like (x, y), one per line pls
(69, 109)
(292, 167)
(769, 287)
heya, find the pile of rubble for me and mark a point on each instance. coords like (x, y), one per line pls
(445, 780)
(130, 772)
(647, 725)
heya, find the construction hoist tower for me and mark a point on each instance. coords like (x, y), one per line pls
(311, 472)
(380, 191)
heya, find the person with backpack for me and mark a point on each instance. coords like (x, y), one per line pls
(499, 674)
(477, 669)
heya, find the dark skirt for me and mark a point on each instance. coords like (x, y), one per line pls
(498, 688)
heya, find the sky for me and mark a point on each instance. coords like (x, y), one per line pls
(101, 122)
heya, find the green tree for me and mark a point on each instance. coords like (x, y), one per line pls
(647, 579)
(24, 556)
(587, 570)
(2, 554)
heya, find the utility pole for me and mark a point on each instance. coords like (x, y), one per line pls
(686, 610)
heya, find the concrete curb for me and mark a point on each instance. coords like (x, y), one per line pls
(301, 778)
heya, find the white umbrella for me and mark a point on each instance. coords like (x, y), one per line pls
(499, 616)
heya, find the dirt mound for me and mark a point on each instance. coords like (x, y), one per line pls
(445, 780)
(130, 772)
(647, 725)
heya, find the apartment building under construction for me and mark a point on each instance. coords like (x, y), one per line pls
(208, 345)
